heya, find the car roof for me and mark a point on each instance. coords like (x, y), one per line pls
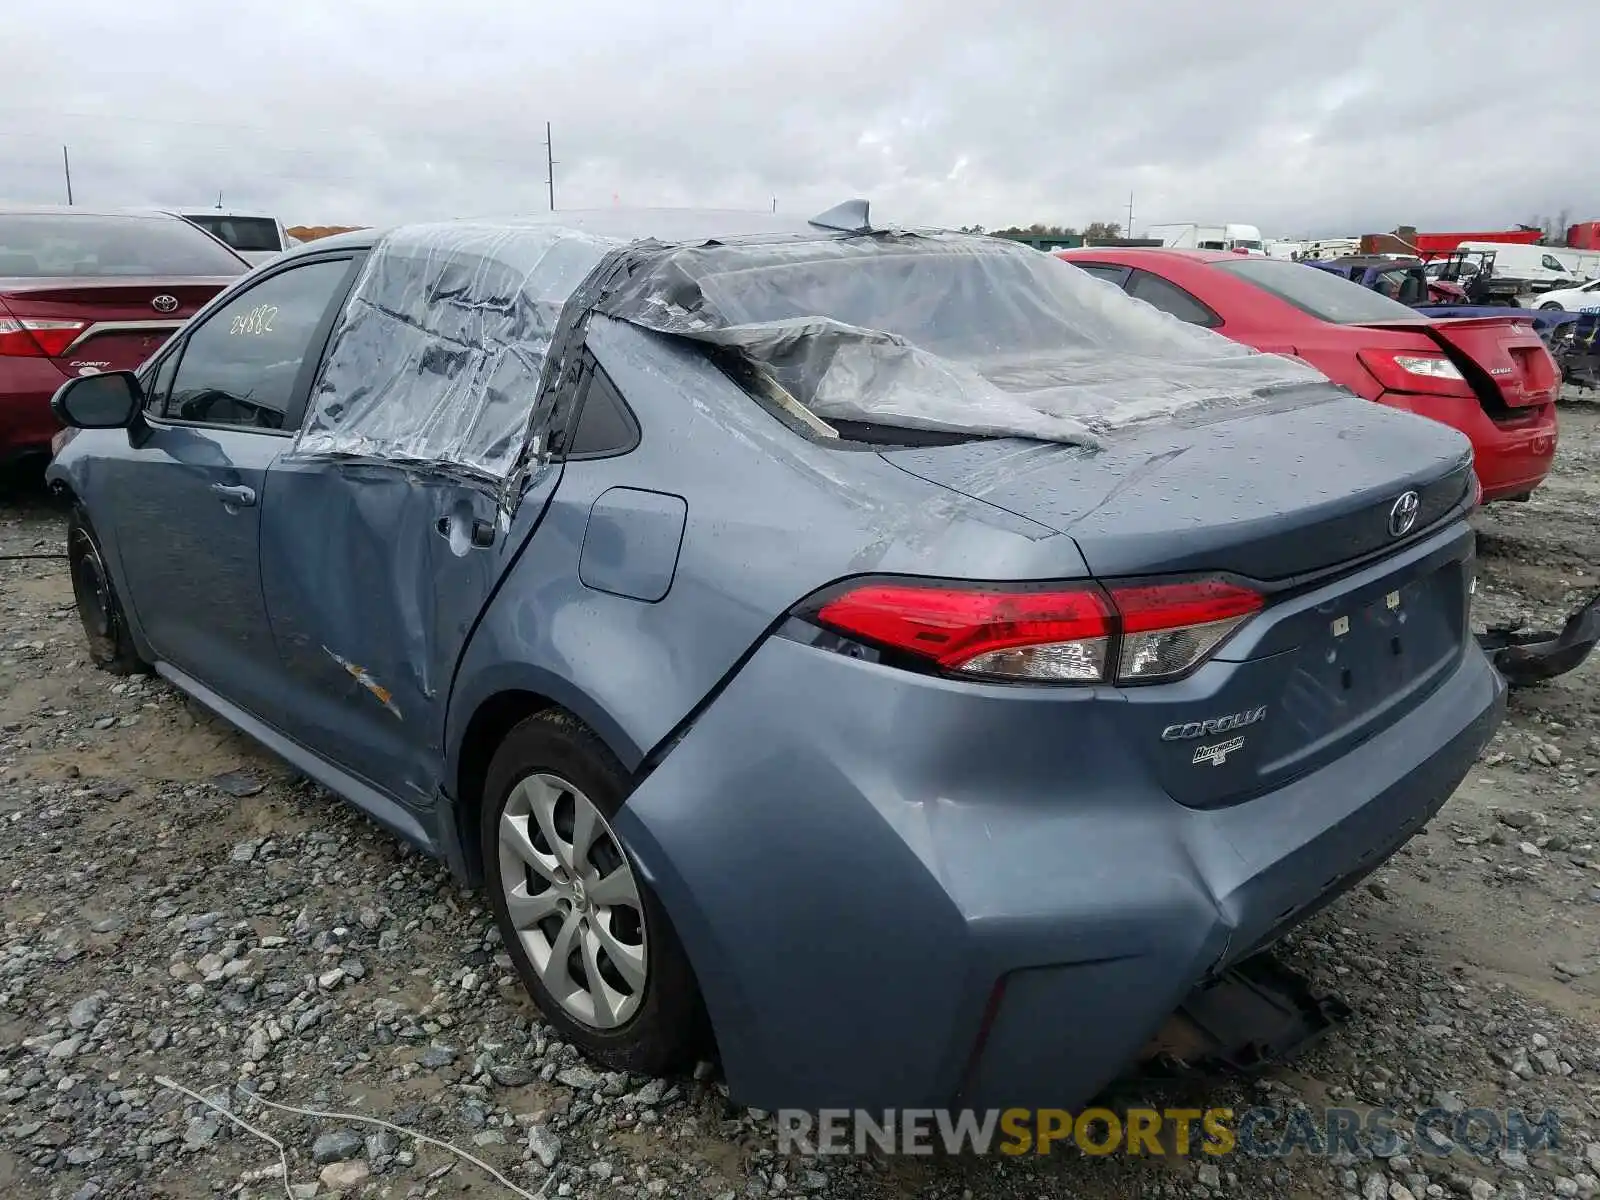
(211, 210)
(1152, 254)
(624, 224)
(78, 210)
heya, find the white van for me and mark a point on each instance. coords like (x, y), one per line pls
(254, 237)
(1190, 236)
(1583, 264)
(1535, 266)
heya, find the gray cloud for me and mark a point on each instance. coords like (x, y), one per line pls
(1350, 116)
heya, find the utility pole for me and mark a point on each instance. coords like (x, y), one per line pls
(219, 200)
(66, 166)
(550, 166)
(774, 204)
(1129, 232)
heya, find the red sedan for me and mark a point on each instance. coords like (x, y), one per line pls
(83, 291)
(1489, 377)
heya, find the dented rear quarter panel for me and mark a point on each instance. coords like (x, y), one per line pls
(769, 517)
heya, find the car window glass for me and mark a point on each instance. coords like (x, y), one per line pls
(239, 368)
(1551, 263)
(161, 383)
(1104, 271)
(604, 423)
(1170, 298)
(99, 246)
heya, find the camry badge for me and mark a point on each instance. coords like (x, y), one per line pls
(165, 303)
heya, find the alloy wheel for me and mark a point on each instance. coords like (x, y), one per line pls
(573, 900)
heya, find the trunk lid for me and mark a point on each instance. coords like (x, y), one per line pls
(123, 320)
(1503, 358)
(1270, 494)
(1360, 623)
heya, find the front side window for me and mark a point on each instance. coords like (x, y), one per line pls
(1551, 263)
(240, 366)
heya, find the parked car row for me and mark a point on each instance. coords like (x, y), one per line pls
(902, 661)
(1489, 377)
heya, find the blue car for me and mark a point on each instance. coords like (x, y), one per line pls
(894, 661)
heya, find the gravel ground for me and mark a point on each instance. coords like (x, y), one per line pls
(177, 903)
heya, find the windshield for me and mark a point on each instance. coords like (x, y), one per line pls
(1324, 295)
(242, 233)
(1241, 243)
(62, 245)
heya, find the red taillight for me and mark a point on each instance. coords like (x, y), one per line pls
(1058, 636)
(1043, 635)
(33, 337)
(1422, 371)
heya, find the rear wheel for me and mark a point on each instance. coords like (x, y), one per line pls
(589, 940)
(99, 608)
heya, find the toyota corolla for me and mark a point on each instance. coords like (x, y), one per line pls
(894, 658)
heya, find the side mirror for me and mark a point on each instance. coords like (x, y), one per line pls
(112, 400)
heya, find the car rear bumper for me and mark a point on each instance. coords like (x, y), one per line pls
(1510, 459)
(26, 422)
(856, 859)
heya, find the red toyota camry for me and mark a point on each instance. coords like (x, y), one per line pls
(1489, 377)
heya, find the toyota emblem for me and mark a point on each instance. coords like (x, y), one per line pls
(165, 304)
(1403, 515)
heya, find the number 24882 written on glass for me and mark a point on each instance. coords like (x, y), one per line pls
(255, 322)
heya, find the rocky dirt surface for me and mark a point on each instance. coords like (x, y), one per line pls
(176, 903)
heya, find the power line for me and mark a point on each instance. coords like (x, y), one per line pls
(550, 166)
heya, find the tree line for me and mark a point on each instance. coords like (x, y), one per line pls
(1095, 229)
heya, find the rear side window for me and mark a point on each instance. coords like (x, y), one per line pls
(1111, 274)
(51, 245)
(1324, 295)
(605, 424)
(240, 366)
(242, 233)
(1170, 298)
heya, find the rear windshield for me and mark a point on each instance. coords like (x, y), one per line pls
(242, 233)
(55, 245)
(1324, 295)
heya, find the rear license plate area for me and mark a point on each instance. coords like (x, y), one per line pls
(1367, 650)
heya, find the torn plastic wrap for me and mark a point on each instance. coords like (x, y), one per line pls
(439, 354)
(947, 332)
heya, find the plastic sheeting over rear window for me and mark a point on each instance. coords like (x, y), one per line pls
(946, 331)
(439, 353)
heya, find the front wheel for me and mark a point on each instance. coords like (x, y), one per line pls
(589, 940)
(1551, 307)
(105, 627)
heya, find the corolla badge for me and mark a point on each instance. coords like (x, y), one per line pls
(1403, 514)
(1195, 729)
(165, 303)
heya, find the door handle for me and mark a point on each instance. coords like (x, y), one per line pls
(244, 497)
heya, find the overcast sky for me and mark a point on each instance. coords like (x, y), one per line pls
(1340, 117)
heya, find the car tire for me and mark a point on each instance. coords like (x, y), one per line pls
(652, 1029)
(1552, 307)
(105, 625)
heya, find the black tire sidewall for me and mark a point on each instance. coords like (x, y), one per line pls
(113, 651)
(669, 1026)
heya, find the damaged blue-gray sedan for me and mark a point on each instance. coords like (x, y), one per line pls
(896, 662)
